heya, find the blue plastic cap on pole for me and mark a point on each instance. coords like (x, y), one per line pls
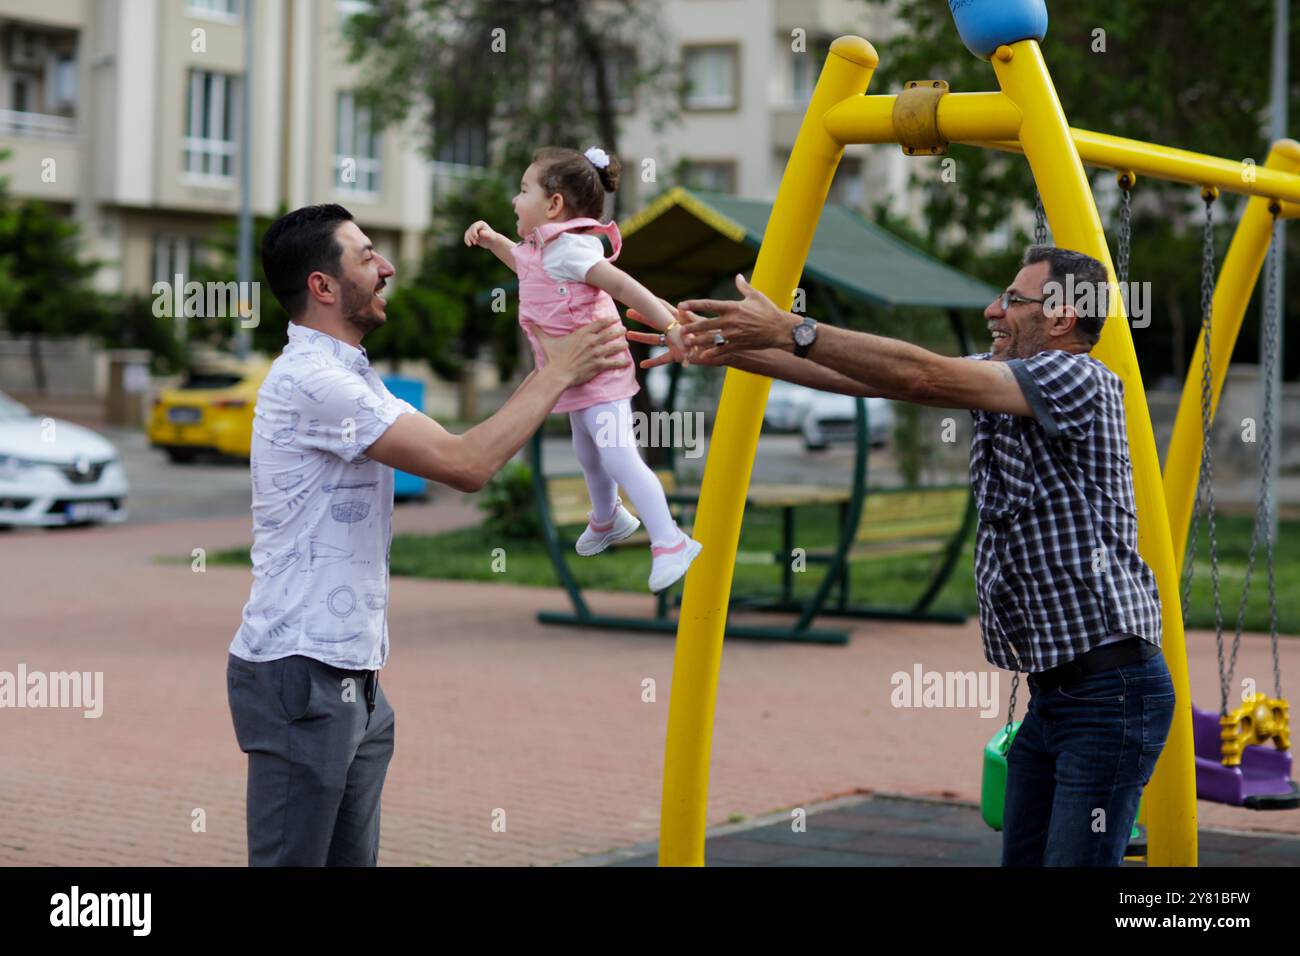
(985, 25)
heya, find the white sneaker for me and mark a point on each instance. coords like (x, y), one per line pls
(599, 537)
(671, 563)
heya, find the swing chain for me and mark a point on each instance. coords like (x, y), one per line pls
(1205, 486)
(1273, 320)
(1125, 225)
(1040, 220)
(1272, 335)
(1011, 713)
(1263, 524)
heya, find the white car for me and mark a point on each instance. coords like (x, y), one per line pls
(832, 419)
(56, 473)
(787, 404)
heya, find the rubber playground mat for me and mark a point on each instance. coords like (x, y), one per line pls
(887, 830)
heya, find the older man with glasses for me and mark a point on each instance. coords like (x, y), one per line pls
(1063, 594)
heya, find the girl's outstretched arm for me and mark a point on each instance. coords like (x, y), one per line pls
(481, 234)
(650, 309)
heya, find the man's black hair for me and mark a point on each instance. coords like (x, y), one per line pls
(300, 243)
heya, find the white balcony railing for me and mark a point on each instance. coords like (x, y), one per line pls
(14, 123)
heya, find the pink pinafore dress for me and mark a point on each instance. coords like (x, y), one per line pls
(559, 306)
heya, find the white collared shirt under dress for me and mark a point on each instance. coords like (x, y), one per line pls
(322, 510)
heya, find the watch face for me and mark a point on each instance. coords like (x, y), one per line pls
(805, 334)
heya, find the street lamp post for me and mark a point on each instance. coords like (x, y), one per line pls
(245, 240)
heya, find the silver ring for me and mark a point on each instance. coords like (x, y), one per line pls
(718, 339)
(663, 338)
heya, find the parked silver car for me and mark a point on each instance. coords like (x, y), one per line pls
(787, 404)
(832, 419)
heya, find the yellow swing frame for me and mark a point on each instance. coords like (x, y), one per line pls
(1026, 116)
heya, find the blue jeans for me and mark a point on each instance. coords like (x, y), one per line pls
(1078, 765)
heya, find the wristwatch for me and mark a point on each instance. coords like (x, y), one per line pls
(805, 334)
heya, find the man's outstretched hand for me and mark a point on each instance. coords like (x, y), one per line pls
(752, 324)
(689, 354)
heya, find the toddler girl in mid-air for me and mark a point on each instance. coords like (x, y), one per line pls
(565, 282)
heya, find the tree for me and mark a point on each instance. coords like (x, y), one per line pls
(522, 73)
(512, 76)
(1188, 76)
(219, 265)
(460, 299)
(45, 285)
(46, 289)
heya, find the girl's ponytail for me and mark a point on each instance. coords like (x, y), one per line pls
(609, 175)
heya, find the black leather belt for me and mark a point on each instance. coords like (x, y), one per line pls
(1131, 650)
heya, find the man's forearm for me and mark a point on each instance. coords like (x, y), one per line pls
(492, 443)
(886, 367)
(788, 367)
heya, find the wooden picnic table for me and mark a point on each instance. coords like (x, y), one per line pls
(787, 497)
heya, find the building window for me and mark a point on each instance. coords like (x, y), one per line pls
(39, 76)
(620, 69)
(713, 175)
(20, 94)
(712, 77)
(212, 117)
(357, 159)
(213, 9)
(63, 85)
(803, 77)
(464, 144)
(174, 255)
(846, 187)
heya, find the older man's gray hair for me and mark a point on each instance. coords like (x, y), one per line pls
(1088, 278)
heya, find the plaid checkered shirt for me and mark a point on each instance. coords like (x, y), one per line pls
(1057, 568)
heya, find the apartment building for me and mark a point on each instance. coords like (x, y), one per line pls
(750, 68)
(126, 114)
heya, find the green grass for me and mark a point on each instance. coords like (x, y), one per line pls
(467, 555)
(1233, 534)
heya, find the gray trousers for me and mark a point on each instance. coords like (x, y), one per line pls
(318, 751)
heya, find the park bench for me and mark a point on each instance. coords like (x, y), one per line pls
(570, 502)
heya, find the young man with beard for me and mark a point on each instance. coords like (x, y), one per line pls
(302, 674)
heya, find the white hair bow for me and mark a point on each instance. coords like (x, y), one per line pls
(598, 157)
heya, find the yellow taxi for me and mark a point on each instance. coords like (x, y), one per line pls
(210, 411)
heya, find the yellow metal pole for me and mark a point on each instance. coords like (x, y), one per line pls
(990, 120)
(960, 116)
(1237, 277)
(703, 618)
(1067, 199)
(1164, 162)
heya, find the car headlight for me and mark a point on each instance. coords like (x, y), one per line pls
(11, 467)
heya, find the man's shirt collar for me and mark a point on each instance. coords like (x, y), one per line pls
(302, 338)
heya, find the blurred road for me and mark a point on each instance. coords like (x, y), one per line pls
(219, 488)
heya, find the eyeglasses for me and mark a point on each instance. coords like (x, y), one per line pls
(1007, 298)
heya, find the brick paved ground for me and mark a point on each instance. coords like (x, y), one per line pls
(493, 711)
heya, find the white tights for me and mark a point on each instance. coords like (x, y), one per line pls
(606, 447)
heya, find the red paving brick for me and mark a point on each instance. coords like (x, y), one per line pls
(493, 711)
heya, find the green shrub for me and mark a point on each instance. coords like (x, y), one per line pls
(510, 503)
